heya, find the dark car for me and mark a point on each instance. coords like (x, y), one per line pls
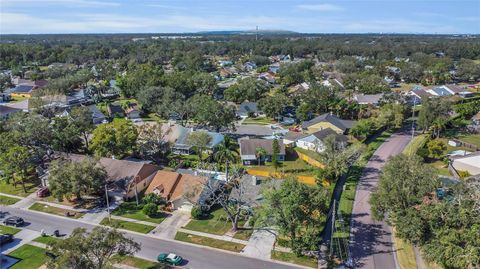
(14, 221)
(5, 239)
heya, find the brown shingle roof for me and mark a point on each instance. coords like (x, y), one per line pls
(249, 146)
(174, 186)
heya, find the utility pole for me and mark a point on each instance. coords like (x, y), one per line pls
(333, 228)
(413, 116)
(108, 203)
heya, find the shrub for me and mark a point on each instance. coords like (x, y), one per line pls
(197, 212)
(150, 209)
(152, 198)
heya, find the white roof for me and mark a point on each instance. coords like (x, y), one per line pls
(171, 256)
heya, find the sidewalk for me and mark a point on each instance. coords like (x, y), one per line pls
(134, 220)
(260, 244)
(214, 236)
(26, 202)
(168, 228)
(20, 239)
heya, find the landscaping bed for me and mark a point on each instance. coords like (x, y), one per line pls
(207, 241)
(54, 210)
(292, 258)
(128, 225)
(31, 257)
(5, 200)
(132, 211)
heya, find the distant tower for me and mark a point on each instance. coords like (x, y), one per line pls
(256, 34)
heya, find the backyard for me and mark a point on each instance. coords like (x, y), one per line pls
(292, 165)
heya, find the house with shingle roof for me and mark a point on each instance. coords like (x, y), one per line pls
(314, 142)
(249, 146)
(325, 121)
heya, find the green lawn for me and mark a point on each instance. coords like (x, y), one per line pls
(470, 138)
(206, 241)
(54, 210)
(292, 258)
(136, 262)
(258, 121)
(415, 144)
(130, 210)
(243, 234)
(441, 168)
(405, 253)
(127, 225)
(8, 230)
(46, 239)
(152, 117)
(5, 200)
(292, 165)
(16, 99)
(215, 223)
(31, 257)
(10, 189)
(309, 153)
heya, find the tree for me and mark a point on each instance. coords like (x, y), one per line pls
(404, 182)
(260, 153)
(273, 105)
(372, 84)
(199, 140)
(335, 158)
(297, 210)
(16, 164)
(114, 139)
(249, 89)
(275, 152)
(152, 198)
(82, 118)
(391, 114)
(225, 152)
(152, 141)
(150, 209)
(196, 212)
(433, 115)
(363, 129)
(91, 250)
(436, 148)
(66, 135)
(211, 113)
(5, 82)
(68, 178)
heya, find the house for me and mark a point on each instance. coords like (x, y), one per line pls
(25, 87)
(290, 138)
(22, 90)
(115, 111)
(132, 111)
(368, 99)
(97, 115)
(420, 93)
(325, 121)
(249, 66)
(274, 68)
(247, 108)
(453, 89)
(440, 91)
(267, 76)
(125, 178)
(299, 88)
(314, 142)
(6, 111)
(180, 191)
(181, 144)
(249, 146)
(469, 163)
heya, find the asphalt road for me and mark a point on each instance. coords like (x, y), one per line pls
(196, 257)
(371, 245)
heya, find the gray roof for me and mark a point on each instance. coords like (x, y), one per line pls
(5, 110)
(368, 98)
(327, 117)
(322, 134)
(96, 113)
(23, 89)
(249, 146)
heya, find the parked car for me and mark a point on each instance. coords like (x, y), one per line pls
(14, 221)
(43, 192)
(171, 258)
(5, 239)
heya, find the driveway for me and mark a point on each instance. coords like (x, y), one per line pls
(20, 239)
(371, 242)
(168, 228)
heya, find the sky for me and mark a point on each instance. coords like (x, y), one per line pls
(176, 16)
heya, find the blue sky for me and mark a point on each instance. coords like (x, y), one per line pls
(148, 16)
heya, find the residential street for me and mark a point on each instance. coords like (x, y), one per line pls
(198, 257)
(371, 243)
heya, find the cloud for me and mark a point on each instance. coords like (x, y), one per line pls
(320, 7)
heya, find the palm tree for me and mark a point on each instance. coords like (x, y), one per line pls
(259, 153)
(225, 153)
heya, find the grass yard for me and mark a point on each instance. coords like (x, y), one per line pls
(417, 143)
(405, 253)
(292, 258)
(5, 200)
(152, 117)
(16, 99)
(130, 210)
(136, 262)
(128, 225)
(8, 230)
(471, 139)
(216, 223)
(54, 210)
(243, 234)
(292, 165)
(440, 167)
(206, 241)
(46, 239)
(31, 187)
(31, 257)
(258, 121)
